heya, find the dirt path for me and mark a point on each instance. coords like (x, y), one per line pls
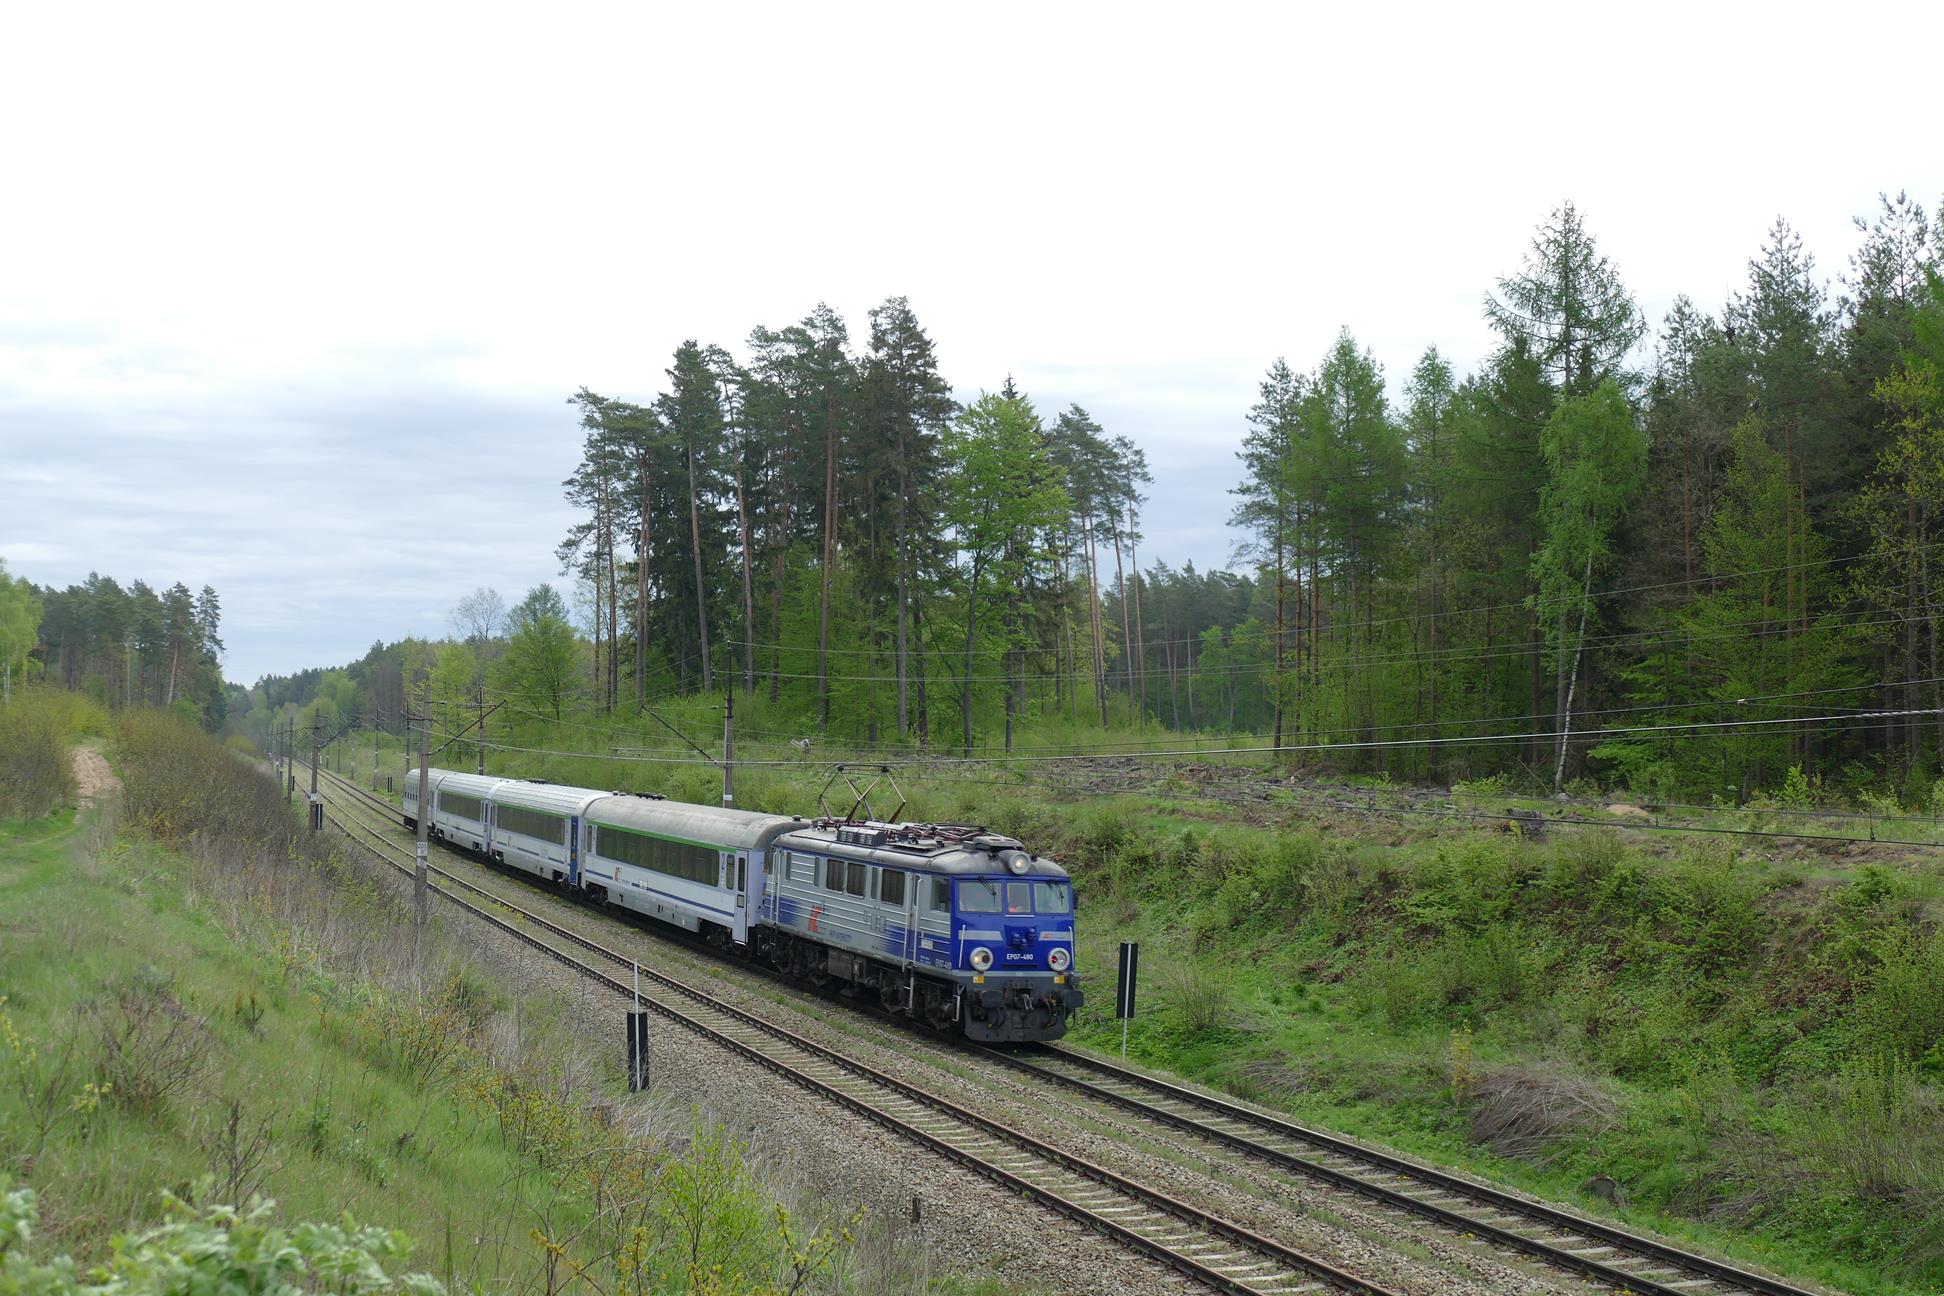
(92, 777)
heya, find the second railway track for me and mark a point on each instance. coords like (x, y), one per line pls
(1614, 1258)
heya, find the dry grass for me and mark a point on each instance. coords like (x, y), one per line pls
(1531, 1111)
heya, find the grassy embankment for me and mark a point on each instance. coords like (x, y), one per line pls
(207, 1002)
(1745, 1035)
(1751, 1047)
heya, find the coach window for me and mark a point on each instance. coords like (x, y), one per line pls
(1019, 897)
(834, 875)
(979, 897)
(941, 895)
(891, 887)
(860, 875)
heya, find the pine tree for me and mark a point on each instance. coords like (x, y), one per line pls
(1569, 307)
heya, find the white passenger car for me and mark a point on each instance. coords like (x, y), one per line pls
(688, 865)
(462, 807)
(537, 828)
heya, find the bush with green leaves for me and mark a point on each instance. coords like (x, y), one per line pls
(235, 1251)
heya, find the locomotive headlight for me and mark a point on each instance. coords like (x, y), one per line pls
(1058, 958)
(1017, 862)
(981, 958)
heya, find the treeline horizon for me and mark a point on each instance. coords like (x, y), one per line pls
(1690, 557)
(137, 645)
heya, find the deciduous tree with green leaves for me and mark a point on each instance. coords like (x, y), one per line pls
(1004, 501)
(1595, 453)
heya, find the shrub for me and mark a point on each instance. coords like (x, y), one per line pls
(216, 1248)
(1526, 1111)
(1901, 1010)
(1203, 1000)
(152, 1048)
(1396, 987)
(37, 728)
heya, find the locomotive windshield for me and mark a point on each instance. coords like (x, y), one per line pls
(980, 896)
(1051, 898)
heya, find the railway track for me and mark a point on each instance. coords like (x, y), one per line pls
(1614, 1258)
(1219, 1253)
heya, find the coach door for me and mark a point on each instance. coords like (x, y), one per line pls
(739, 883)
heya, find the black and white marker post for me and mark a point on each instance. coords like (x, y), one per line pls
(637, 1040)
(1130, 963)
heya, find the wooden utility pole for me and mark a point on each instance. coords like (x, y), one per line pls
(424, 813)
(729, 740)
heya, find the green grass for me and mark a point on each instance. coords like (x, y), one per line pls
(1751, 1049)
(1746, 1034)
(272, 1033)
(246, 1014)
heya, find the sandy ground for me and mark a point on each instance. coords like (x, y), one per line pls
(92, 775)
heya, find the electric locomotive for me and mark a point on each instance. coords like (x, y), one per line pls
(945, 923)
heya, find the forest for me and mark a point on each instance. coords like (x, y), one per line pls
(124, 647)
(1687, 558)
(1690, 558)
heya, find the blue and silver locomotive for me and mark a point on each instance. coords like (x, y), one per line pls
(947, 924)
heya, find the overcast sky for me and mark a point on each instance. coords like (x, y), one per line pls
(291, 297)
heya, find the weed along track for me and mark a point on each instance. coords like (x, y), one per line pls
(1214, 1251)
(1612, 1257)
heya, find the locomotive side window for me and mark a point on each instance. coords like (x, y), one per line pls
(1051, 898)
(941, 895)
(979, 897)
(859, 878)
(1019, 897)
(833, 875)
(891, 887)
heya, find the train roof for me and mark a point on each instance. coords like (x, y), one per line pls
(956, 849)
(553, 798)
(703, 824)
(465, 784)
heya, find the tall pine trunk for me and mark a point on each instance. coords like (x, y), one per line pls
(904, 564)
(829, 557)
(1093, 612)
(971, 639)
(1140, 632)
(701, 596)
(748, 586)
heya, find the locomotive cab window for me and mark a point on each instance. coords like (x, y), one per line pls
(941, 895)
(978, 897)
(1051, 898)
(891, 887)
(1019, 897)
